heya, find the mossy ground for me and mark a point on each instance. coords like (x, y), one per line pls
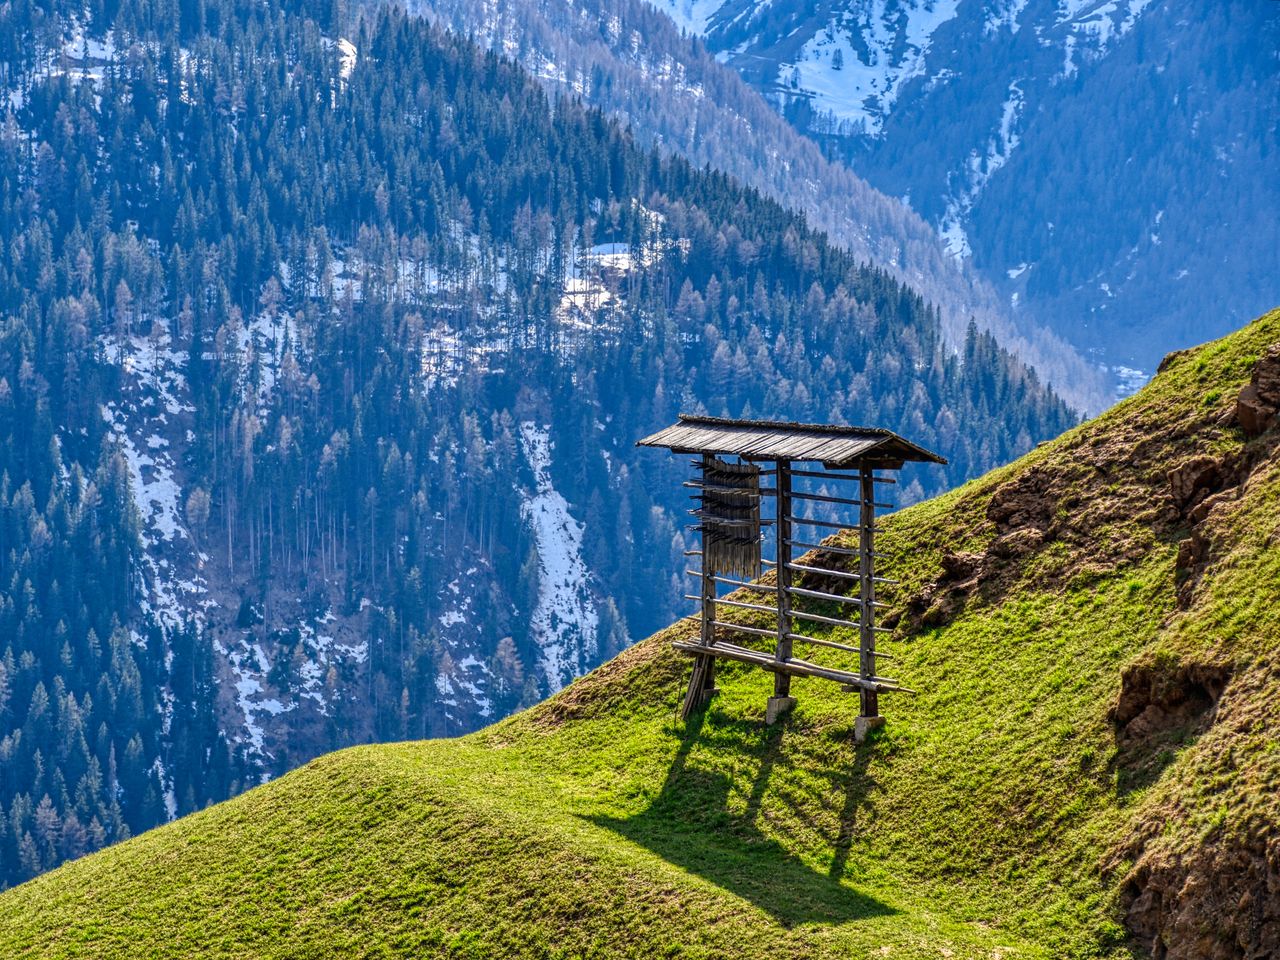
(994, 815)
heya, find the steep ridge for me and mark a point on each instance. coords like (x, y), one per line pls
(632, 62)
(1089, 767)
(325, 346)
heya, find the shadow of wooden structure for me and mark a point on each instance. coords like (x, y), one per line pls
(692, 823)
(731, 513)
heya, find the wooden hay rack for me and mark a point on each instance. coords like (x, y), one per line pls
(732, 517)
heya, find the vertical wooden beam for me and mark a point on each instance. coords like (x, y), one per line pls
(867, 590)
(703, 681)
(782, 681)
(708, 617)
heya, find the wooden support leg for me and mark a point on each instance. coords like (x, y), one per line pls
(702, 684)
(867, 593)
(782, 702)
(863, 726)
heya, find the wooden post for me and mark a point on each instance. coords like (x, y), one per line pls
(702, 683)
(708, 623)
(782, 701)
(867, 591)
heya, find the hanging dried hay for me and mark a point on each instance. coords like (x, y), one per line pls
(731, 518)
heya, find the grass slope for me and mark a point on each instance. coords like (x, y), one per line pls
(1003, 812)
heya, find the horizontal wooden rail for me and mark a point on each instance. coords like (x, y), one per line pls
(825, 475)
(822, 498)
(724, 522)
(839, 551)
(745, 491)
(797, 591)
(795, 667)
(810, 521)
(834, 621)
(740, 584)
(831, 597)
(818, 641)
(843, 574)
(754, 631)
(736, 603)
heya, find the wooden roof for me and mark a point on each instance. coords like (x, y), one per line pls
(834, 446)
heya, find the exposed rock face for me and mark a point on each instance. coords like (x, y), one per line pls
(1197, 486)
(1191, 551)
(1216, 901)
(1259, 401)
(1192, 481)
(960, 566)
(1156, 698)
(1017, 543)
(1023, 503)
(1213, 893)
(1252, 413)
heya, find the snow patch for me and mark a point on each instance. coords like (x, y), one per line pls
(154, 393)
(166, 785)
(1095, 24)
(691, 16)
(346, 58)
(860, 83)
(978, 170)
(1004, 15)
(565, 620)
(594, 290)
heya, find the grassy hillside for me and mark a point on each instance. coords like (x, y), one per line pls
(1095, 648)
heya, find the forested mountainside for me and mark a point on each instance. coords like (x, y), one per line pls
(1111, 167)
(1089, 768)
(326, 345)
(628, 60)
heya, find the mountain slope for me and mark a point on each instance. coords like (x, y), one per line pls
(325, 347)
(1110, 167)
(626, 59)
(1092, 632)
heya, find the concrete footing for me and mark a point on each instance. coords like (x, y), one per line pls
(777, 708)
(863, 726)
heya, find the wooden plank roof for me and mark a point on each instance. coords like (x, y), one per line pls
(835, 446)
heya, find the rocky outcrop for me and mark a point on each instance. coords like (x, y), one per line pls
(1158, 698)
(1202, 872)
(1192, 481)
(1023, 503)
(1259, 400)
(1218, 901)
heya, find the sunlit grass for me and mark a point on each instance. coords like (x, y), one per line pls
(979, 822)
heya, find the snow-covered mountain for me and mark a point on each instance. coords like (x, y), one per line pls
(629, 60)
(1110, 166)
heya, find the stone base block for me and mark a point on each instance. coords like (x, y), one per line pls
(777, 708)
(863, 726)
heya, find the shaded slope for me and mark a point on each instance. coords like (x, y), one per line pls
(1092, 630)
